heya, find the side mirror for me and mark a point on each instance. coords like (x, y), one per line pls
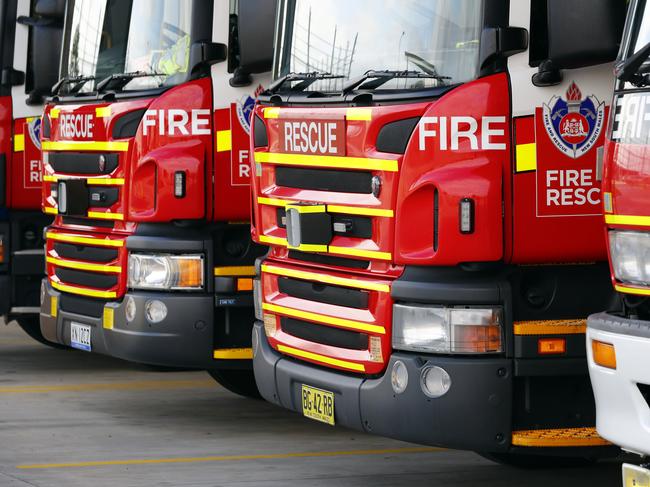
(45, 39)
(580, 33)
(502, 42)
(204, 54)
(251, 40)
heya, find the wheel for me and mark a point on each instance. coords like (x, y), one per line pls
(31, 325)
(532, 461)
(240, 382)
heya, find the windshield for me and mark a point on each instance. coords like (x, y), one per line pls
(107, 37)
(348, 38)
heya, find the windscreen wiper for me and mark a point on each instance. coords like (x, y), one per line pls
(628, 70)
(117, 82)
(306, 80)
(372, 80)
(77, 81)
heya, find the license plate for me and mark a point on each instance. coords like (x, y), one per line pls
(635, 476)
(80, 336)
(318, 404)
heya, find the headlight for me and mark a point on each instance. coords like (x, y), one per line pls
(165, 272)
(630, 252)
(447, 330)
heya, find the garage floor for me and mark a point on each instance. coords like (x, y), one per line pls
(75, 419)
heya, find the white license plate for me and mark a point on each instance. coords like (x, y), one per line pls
(80, 336)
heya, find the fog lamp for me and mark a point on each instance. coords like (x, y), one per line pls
(435, 382)
(130, 309)
(155, 311)
(399, 377)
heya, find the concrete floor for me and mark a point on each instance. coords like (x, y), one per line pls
(75, 419)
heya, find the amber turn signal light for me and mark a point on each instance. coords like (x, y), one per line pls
(604, 354)
(551, 346)
(244, 284)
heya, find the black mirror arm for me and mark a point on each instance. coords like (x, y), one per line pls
(34, 22)
(628, 70)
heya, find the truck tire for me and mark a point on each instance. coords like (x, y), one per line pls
(31, 326)
(240, 382)
(519, 460)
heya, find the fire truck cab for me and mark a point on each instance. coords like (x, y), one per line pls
(146, 171)
(30, 43)
(618, 341)
(427, 174)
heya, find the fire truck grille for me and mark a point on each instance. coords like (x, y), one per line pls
(83, 163)
(359, 182)
(325, 335)
(347, 319)
(86, 266)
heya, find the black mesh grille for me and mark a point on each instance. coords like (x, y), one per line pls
(325, 335)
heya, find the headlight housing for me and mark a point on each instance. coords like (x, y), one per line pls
(630, 252)
(166, 272)
(436, 329)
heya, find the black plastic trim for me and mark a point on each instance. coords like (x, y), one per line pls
(358, 182)
(395, 136)
(84, 278)
(324, 293)
(91, 254)
(82, 163)
(325, 335)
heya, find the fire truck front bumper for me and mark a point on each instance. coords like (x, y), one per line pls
(622, 393)
(184, 338)
(475, 413)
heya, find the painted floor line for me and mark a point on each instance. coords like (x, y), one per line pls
(111, 386)
(230, 458)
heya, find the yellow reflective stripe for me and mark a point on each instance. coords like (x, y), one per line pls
(330, 320)
(243, 270)
(350, 210)
(643, 221)
(273, 201)
(103, 112)
(273, 240)
(234, 354)
(271, 112)
(526, 157)
(48, 210)
(370, 254)
(361, 114)
(362, 163)
(337, 281)
(354, 210)
(93, 181)
(308, 247)
(632, 290)
(61, 237)
(550, 327)
(54, 113)
(307, 208)
(93, 293)
(224, 140)
(54, 306)
(316, 357)
(105, 216)
(30, 119)
(108, 318)
(83, 145)
(19, 142)
(106, 181)
(73, 264)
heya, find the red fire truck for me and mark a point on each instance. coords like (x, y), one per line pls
(145, 152)
(30, 36)
(427, 176)
(618, 341)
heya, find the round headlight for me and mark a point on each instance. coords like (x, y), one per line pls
(435, 381)
(399, 377)
(130, 309)
(155, 311)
